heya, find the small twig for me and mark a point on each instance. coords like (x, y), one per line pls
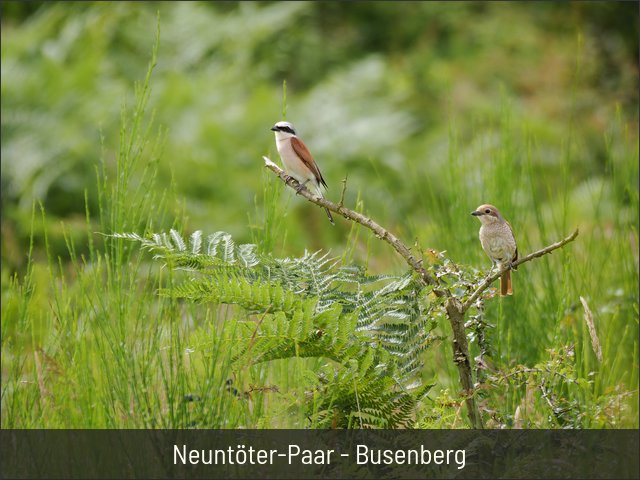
(493, 277)
(522, 371)
(349, 214)
(344, 190)
(545, 395)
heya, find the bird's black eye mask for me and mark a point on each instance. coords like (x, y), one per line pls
(284, 128)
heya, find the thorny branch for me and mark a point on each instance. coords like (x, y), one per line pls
(349, 214)
(454, 307)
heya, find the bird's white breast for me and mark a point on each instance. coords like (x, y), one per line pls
(292, 163)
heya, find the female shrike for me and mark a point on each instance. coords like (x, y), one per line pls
(297, 159)
(498, 242)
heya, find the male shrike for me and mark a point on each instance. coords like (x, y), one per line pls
(498, 242)
(297, 159)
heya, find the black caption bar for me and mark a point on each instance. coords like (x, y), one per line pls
(272, 454)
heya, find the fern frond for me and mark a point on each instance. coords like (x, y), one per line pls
(196, 242)
(373, 328)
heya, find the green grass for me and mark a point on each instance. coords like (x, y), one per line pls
(88, 341)
(545, 312)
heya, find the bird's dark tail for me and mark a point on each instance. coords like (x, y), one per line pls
(330, 217)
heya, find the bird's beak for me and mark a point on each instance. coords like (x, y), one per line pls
(476, 213)
(274, 128)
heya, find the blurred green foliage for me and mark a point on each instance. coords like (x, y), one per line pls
(373, 87)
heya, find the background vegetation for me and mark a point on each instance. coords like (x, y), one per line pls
(429, 108)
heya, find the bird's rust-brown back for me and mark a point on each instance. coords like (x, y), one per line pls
(305, 155)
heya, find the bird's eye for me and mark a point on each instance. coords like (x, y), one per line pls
(487, 211)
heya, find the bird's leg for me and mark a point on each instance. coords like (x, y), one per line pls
(301, 186)
(494, 267)
(492, 270)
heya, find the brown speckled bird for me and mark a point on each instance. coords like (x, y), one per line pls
(498, 241)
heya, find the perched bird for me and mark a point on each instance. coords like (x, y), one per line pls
(498, 241)
(297, 160)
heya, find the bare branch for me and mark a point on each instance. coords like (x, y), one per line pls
(491, 278)
(462, 359)
(455, 314)
(352, 215)
(455, 309)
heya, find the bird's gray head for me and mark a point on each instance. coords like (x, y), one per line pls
(285, 128)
